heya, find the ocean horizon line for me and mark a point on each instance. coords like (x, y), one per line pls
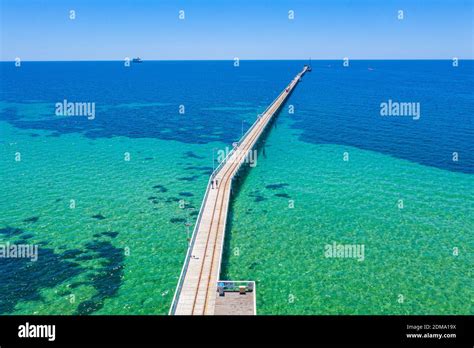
(241, 60)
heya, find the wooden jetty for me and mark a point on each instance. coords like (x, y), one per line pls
(199, 290)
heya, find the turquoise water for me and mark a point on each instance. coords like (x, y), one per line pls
(121, 196)
(118, 247)
(408, 251)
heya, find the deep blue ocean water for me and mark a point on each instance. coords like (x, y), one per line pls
(339, 105)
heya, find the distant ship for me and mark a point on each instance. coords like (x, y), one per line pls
(136, 60)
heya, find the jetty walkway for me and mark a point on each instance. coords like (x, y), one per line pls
(199, 290)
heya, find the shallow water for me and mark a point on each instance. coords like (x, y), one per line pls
(302, 197)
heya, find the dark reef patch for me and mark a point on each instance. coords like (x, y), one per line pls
(98, 216)
(77, 284)
(10, 231)
(177, 220)
(160, 188)
(64, 293)
(21, 241)
(276, 186)
(189, 178)
(84, 257)
(23, 279)
(254, 264)
(283, 195)
(172, 199)
(204, 169)
(26, 236)
(107, 279)
(32, 219)
(110, 234)
(257, 197)
(186, 194)
(190, 154)
(71, 253)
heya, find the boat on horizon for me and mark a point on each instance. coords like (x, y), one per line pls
(136, 60)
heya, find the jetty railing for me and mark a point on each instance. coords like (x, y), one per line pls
(188, 253)
(224, 161)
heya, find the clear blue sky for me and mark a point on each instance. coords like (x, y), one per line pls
(257, 29)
